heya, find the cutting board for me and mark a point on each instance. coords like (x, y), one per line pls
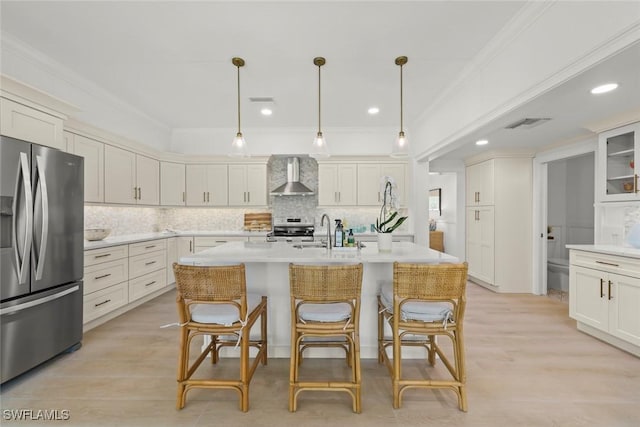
(257, 221)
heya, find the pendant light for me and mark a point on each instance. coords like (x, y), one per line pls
(401, 145)
(319, 143)
(238, 146)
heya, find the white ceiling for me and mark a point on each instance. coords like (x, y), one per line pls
(172, 61)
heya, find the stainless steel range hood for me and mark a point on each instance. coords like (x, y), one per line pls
(293, 186)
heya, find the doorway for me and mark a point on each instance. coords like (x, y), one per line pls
(564, 193)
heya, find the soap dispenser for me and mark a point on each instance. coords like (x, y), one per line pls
(339, 234)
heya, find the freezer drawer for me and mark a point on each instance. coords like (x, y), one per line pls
(29, 337)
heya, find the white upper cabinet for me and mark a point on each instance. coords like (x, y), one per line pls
(93, 153)
(26, 123)
(172, 184)
(480, 184)
(337, 184)
(369, 176)
(619, 154)
(130, 178)
(247, 185)
(207, 185)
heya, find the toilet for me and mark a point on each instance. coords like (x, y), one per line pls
(558, 274)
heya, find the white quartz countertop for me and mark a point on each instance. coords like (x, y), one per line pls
(143, 237)
(285, 253)
(609, 250)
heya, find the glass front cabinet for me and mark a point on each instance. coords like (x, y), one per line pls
(619, 154)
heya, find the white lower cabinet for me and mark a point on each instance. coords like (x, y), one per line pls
(604, 297)
(105, 281)
(119, 275)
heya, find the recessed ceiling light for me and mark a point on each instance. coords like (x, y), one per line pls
(265, 111)
(604, 88)
(482, 142)
(373, 110)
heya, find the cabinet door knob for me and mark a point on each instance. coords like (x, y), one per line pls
(601, 288)
(609, 296)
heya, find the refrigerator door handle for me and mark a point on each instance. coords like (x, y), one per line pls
(42, 181)
(28, 228)
(33, 303)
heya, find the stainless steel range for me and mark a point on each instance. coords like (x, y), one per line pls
(291, 230)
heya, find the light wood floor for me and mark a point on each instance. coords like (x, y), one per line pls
(527, 366)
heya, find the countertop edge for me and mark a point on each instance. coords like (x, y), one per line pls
(608, 250)
(126, 239)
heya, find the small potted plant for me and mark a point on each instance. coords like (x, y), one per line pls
(389, 218)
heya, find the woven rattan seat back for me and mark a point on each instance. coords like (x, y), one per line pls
(323, 283)
(215, 283)
(430, 281)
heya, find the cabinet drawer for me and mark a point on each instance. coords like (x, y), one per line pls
(142, 264)
(604, 262)
(147, 247)
(211, 242)
(96, 256)
(103, 275)
(147, 284)
(104, 301)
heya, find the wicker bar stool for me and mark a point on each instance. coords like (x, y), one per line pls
(325, 312)
(425, 300)
(213, 301)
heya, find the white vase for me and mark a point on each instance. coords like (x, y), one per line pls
(384, 242)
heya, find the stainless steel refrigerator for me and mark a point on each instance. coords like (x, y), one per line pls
(41, 254)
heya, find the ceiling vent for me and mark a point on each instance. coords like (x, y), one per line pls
(527, 123)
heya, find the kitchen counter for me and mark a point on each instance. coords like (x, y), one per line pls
(143, 237)
(608, 250)
(282, 252)
(267, 272)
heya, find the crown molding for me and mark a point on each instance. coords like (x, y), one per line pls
(28, 95)
(609, 123)
(58, 72)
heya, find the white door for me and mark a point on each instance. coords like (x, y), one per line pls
(196, 185)
(217, 185)
(93, 153)
(148, 180)
(480, 243)
(120, 176)
(237, 185)
(172, 184)
(327, 184)
(257, 185)
(588, 301)
(623, 295)
(347, 185)
(368, 185)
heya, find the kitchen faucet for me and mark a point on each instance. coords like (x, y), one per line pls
(328, 229)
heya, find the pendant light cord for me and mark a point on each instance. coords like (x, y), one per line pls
(319, 104)
(401, 103)
(238, 67)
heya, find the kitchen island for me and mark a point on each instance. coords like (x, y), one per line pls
(267, 269)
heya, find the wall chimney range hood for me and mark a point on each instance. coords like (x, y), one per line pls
(293, 186)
